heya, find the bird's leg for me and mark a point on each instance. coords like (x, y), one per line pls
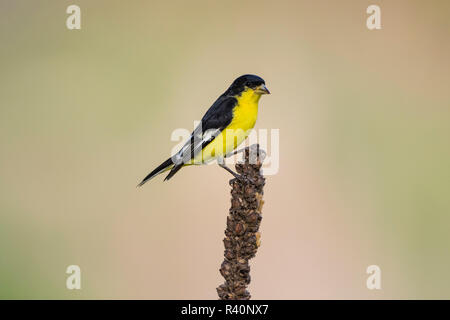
(254, 150)
(236, 175)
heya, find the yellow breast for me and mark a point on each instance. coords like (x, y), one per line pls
(244, 119)
(246, 111)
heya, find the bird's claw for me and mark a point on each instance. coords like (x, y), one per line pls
(242, 178)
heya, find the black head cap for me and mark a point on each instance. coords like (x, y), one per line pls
(247, 80)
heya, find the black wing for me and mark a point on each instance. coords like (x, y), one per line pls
(217, 118)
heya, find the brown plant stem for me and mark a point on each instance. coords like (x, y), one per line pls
(242, 238)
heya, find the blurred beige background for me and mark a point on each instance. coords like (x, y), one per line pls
(364, 125)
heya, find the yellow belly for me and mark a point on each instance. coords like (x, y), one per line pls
(244, 119)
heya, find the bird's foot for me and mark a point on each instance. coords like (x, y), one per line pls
(242, 178)
(237, 176)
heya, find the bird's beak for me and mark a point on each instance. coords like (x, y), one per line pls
(262, 89)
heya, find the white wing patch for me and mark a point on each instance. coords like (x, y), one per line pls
(194, 145)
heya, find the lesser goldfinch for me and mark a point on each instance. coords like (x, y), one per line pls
(223, 128)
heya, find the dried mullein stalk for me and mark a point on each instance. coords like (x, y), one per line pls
(242, 238)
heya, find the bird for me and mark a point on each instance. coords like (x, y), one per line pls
(225, 125)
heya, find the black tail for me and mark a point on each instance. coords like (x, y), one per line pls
(173, 171)
(162, 167)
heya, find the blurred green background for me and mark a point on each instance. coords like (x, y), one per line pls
(364, 119)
